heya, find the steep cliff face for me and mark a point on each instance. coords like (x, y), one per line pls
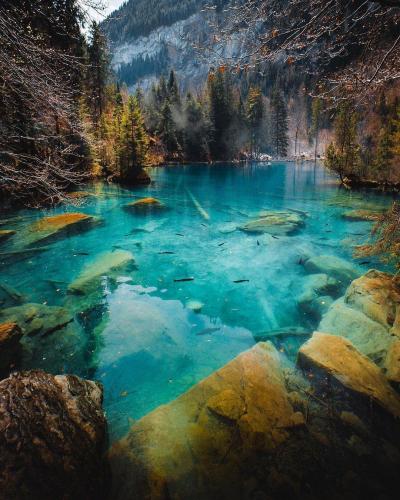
(142, 51)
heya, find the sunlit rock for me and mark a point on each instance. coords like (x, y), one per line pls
(10, 347)
(105, 264)
(199, 443)
(52, 228)
(361, 215)
(335, 359)
(332, 266)
(377, 295)
(145, 204)
(368, 336)
(275, 223)
(5, 234)
(52, 433)
(36, 319)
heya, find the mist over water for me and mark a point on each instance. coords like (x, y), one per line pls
(142, 338)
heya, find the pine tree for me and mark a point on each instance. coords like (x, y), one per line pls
(221, 114)
(343, 156)
(279, 123)
(173, 91)
(97, 73)
(316, 109)
(167, 130)
(134, 141)
(255, 115)
(196, 131)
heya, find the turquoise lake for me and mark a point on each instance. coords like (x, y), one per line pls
(139, 335)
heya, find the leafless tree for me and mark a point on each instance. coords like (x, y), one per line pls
(43, 148)
(353, 44)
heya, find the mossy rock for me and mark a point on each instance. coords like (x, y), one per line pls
(105, 264)
(145, 204)
(275, 223)
(52, 228)
(36, 319)
(361, 215)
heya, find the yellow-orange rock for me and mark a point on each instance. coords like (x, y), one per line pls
(198, 444)
(145, 204)
(51, 228)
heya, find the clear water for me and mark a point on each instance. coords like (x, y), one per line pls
(139, 338)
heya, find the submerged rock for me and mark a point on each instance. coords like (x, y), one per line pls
(192, 446)
(52, 434)
(194, 305)
(37, 319)
(10, 347)
(145, 204)
(255, 429)
(335, 358)
(318, 291)
(275, 223)
(332, 266)
(52, 228)
(105, 264)
(361, 215)
(5, 234)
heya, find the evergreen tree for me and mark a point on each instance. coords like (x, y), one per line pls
(221, 114)
(255, 115)
(279, 123)
(134, 141)
(97, 73)
(196, 131)
(173, 91)
(167, 131)
(316, 109)
(384, 151)
(343, 156)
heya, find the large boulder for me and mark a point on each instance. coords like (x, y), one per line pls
(257, 429)
(275, 223)
(55, 227)
(333, 266)
(104, 265)
(211, 430)
(10, 347)
(377, 295)
(368, 336)
(37, 319)
(334, 360)
(52, 434)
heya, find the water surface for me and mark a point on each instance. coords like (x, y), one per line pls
(139, 337)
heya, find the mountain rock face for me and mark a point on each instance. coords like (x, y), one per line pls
(148, 38)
